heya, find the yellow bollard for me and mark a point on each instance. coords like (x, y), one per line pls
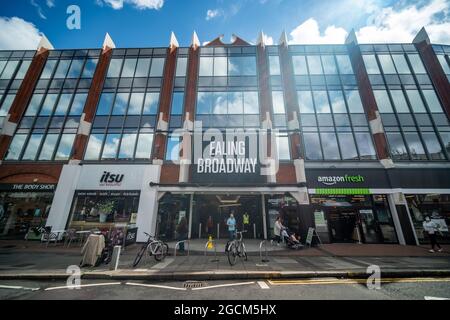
(210, 243)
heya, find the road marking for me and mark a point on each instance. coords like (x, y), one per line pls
(163, 264)
(84, 286)
(154, 286)
(18, 288)
(225, 285)
(435, 298)
(263, 285)
(354, 281)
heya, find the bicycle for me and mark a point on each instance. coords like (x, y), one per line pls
(236, 248)
(154, 247)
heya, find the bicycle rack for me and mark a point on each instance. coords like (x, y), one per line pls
(215, 250)
(264, 242)
(178, 244)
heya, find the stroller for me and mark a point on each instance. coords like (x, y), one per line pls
(290, 240)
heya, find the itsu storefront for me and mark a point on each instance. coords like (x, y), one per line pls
(106, 197)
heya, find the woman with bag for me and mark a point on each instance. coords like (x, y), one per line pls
(431, 228)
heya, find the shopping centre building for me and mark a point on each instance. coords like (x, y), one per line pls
(351, 139)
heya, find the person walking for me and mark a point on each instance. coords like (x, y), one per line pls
(231, 223)
(430, 228)
(277, 228)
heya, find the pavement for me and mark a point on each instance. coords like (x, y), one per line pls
(32, 260)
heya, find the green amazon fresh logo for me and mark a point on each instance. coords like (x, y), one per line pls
(332, 180)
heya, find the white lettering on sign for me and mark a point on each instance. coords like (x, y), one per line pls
(220, 165)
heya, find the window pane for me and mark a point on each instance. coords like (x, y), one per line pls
(415, 146)
(9, 99)
(241, 66)
(78, 104)
(94, 147)
(129, 67)
(274, 65)
(75, 68)
(383, 102)
(48, 147)
(305, 102)
(151, 103)
(48, 69)
(386, 63)
(62, 68)
(321, 101)
(283, 148)
(443, 63)
(401, 64)
(127, 146)
(251, 105)
(181, 67)
(157, 67)
(354, 101)
(278, 102)
(104, 106)
(299, 63)
(416, 63)
(204, 102)
(120, 105)
(219, 103)
(23, 69)
(111, 145)
(312, 146)
(2, 65)
(65, 147)
(143, 65)
(144, 146)
(337, 102)
(330, 146)
(63, 104)
(89, 68)
(433, 146)
(371, 64)
(347, 144)
(235, 103)
(445, 136)
(33, 107)
(314, 65)
(329, 67)
(365, 145)
(344, 64)
(396, 146)
(206, 67)
(49, 103)
(399, 101)
(173, 148)
(16, 147)
(416, 101)
(220, 66)
(432, 100)
(114, 68)
(177, 103)
(9, 70)
(32, 147)
(136, 101)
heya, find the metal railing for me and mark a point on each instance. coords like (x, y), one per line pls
(180, 242)
(261, 244)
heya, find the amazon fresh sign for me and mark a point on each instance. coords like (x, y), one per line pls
(333, 180)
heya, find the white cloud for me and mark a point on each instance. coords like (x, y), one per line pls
(211, 14)
(18, 34)
(268, 40)
(139, 4)
(39, 9)
(385, 25)
(50, 3)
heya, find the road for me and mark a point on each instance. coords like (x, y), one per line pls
(324, 289)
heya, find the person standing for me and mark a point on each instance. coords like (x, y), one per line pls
(182, 231)
(278, 226)
(245, 221)
(430, 228)
(209, 226)
(231, 223)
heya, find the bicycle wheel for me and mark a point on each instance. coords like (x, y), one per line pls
(139, 255)
(158, 251)
(244, 252)
(232, 254)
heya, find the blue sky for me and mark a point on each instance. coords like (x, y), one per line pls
(137, 23)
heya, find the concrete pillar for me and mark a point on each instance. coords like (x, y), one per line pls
(395, 218)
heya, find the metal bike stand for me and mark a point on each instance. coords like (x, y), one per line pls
(265, 259)
(178, 244)
(215, 250)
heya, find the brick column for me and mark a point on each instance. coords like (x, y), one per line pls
(368, 101)
(23, 96)
(92, 100)
(434, 68)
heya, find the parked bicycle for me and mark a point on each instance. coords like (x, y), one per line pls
(154, 247)
(236, 248)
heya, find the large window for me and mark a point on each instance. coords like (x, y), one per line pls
(227, 66)
(322, 64)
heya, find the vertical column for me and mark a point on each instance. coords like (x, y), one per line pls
(23, 96)
(434, 68)
(92, 100)
(165, 101)
(190, 98)
(368, 101)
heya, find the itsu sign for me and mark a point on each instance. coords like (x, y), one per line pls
(109, 179)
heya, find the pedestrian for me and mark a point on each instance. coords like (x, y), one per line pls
(246, 221)
(430, 228)
(209, 226)
(277, 228)
(182, 231)
(231, 223)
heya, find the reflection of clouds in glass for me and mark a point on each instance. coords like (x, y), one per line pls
(32, 147)
(48, 105)
(128, 67)
(283, 147)
(94, 146)
(312, 146)
(63, 104)
(142, 67)
(220, 66)
(120, 104)
(78, 104)
(111, 145)
(151, 103)
(144, 146)
(127, 145)
(354, 101)
(89, 68)
(337, 102)
(299, 64)
(220, 103)
(136, 101)
(251, 105)
(114, 68)
(305, 102)
(157, 67)
(16, 147)
(278, 102)
(365, 145)
(34, 105)
(65, 146)
(48, 147)
(233, 66)
(329, 145)
(6, 104)
(206, 67)
(320, 98)
(235, 103)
